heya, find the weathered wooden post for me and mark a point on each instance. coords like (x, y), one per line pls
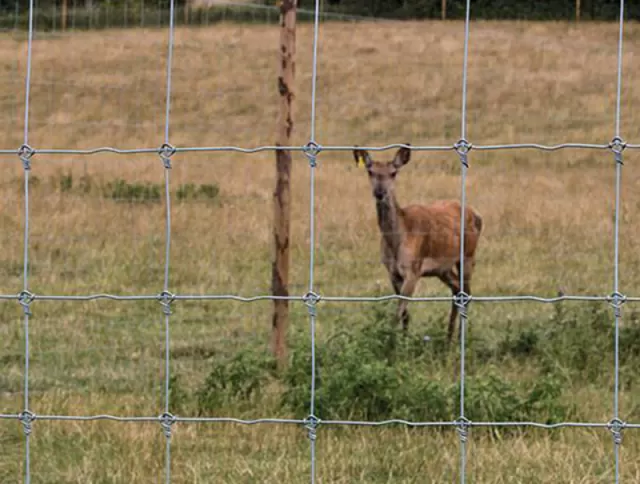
(444, 9)
(578, 10)
(282, 193)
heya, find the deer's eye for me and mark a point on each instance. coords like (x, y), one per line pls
(393, 175)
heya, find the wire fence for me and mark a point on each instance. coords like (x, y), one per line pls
(313, 149)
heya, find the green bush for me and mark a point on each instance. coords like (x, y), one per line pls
(236, 381)
(378, 374)
(372, 371)
(574, 341)
(66, 182)
(191, 191)
(121, 190)
(490, 398)
(178, 397)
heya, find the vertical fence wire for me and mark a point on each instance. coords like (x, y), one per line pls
(27, 96)
(617, 147)
(617, 301)
(311, 305)
(462, 299)
(314, 70)
(463, 117)
(166, 152)
(311, 150)
(619, 79)
(25, 154)
(26, 415)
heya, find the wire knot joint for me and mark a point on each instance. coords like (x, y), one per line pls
(463, 147)
(166, 421)
(616, 301)
(616, 426)
(462, 300)
(617, 145)
(462, 427)
(166, 152)
(166, 298)
(25, 298)
(27, 418)
(26, 152)
(311, 423)
(311, 300)
(311, 150)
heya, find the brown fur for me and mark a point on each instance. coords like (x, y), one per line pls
(420, 240)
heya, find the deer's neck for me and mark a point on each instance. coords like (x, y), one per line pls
(390, 221)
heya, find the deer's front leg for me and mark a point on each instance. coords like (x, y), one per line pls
(407, 289)
(389, 262)
(408, 267)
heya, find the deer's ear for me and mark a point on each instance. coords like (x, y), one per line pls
(402, 157)
(362, 158)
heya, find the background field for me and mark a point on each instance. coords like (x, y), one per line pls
(97, 225)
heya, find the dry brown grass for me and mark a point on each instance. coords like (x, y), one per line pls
(548, 224)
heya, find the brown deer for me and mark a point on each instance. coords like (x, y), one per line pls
(420, 240)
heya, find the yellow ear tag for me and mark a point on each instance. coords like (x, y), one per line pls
(360, 161)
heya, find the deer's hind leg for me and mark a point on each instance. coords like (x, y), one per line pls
(450, 279)
(396, 281)
(469, 265)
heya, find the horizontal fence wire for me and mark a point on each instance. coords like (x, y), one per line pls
(324, 423)
(311, 299)
(320, 148)
(320, 298)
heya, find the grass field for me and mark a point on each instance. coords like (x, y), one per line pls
(97, 225)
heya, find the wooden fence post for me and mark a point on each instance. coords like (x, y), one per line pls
(282, 193)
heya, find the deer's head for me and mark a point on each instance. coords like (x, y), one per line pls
(382, 174)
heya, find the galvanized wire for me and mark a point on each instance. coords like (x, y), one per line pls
(328, 422)
(619, 84)
(272, 148)
(27, 96)
(302, 148)
(25, 153)
(311, 151)
(325, 298)
(167, 419)
(311, 299)
(462, 299)
(617, 147)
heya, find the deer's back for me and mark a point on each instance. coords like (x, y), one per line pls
(436, 228)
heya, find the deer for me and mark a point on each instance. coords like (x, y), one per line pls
(420, 240)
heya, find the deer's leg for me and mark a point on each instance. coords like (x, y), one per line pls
(469, 265)
(450, 279)
(390, 264)
(396, 281)
(407, 289)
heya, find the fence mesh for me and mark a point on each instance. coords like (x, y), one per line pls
(463, 148)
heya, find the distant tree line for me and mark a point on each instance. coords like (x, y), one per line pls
(81, 14)
(484, 9)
